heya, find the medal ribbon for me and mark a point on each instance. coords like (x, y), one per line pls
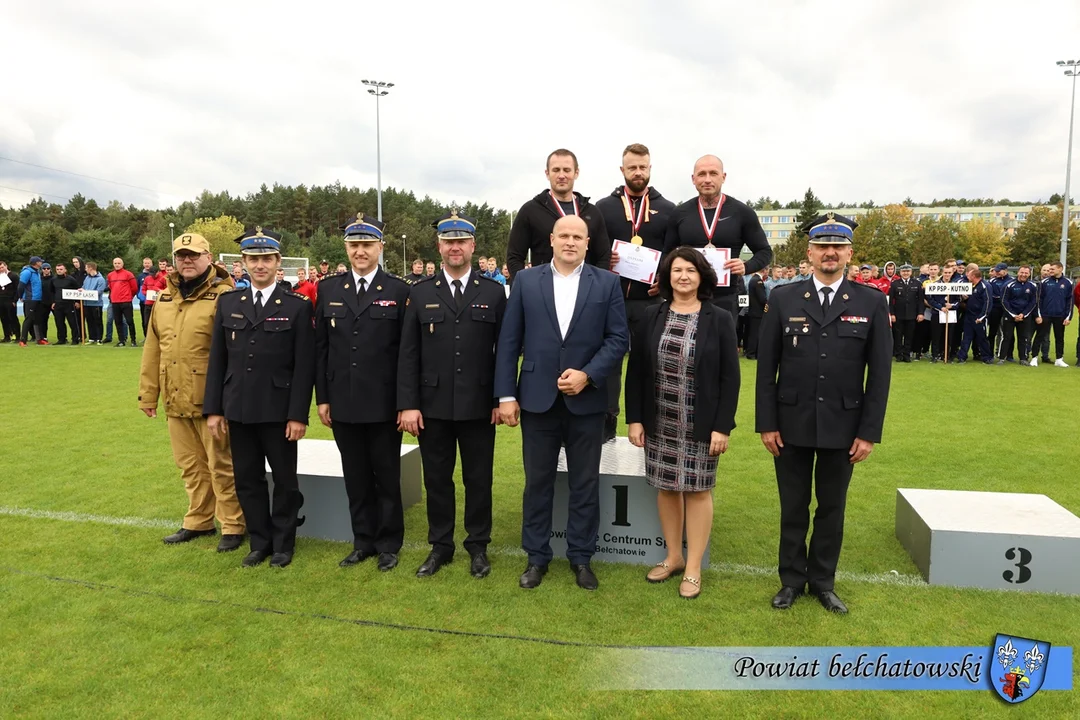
(558, 207)
(710, 229)
(643, 211)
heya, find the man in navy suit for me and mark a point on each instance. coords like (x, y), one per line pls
(567, 322)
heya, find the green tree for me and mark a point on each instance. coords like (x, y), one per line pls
(221, 232)
(46, 239)
(790, 252)
(1038, 239)
(934, 240)
(982, 241)
(885, 234)
(99, 245)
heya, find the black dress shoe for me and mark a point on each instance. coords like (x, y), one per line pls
(281, 560)
(831, 602)
(480, 567)
(532, 576)
(356, 557)
(586, 579)
(786, 597)
(435, 560)
(184, 535)
(387, 561)
(230, 542)
(255, 557)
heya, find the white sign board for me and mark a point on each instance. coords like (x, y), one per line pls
(940, 288)
(744, 301)
(79, 294)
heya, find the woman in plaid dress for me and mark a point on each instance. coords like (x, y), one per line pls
(682, 390)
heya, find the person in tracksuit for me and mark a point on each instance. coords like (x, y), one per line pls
(979, 303)
(937, 305)
(1054, 311)
(1000, 277)
(1018, 300)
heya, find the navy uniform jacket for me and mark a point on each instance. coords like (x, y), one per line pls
(446, 364)
(1019, 298)
(755, 288)
(997, 286)
(1055, 298)
(810, 366)
(905, 298)
(980, 301)
(356, 347)
(261, 363)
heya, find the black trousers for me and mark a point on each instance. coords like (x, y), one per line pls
(975, 332)
(921, 341)
(542, 434)
(796, 474)
(439, 444)
(994, 329)
(904, 338)
(67, 314)
(1042, 337)
(272, 526)
(124, 317)
(9, 319)
(371, 464)
(635, 313)
(753, 333)
(938, 343)
(1022, 329)
(144, 315)
(34, 317)
(93, 322)
(740, 330)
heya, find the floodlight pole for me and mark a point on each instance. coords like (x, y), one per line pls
(1072, 70)
(378, 89)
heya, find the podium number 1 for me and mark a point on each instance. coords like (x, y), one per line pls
(1022, 557)
(622, 497)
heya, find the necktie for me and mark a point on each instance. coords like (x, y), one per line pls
(825, 291)
(361, 288)
(457, 293)
(258, 300)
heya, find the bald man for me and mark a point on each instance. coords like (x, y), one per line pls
(713, 218)
(567, 322)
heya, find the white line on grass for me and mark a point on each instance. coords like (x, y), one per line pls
(886, 578)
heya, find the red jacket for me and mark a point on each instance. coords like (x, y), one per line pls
(308, 289)
(122, 286)
(882, 284)
(155, 283)
(1076, 294)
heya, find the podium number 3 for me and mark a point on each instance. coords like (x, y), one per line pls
(1021, 558)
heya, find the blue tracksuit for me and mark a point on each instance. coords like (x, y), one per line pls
(979, 303)
(1055, 298)
(1020, 298)
(998, 285)
(29, 284)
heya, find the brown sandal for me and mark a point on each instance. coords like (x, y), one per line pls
(666, 571)
(697, 587)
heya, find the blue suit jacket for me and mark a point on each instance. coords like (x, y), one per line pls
(595, 343)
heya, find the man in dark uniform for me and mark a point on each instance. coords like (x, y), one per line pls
(358, 320)
(259, 379)
(530, 234)
(446, 374)
(905, 309)
(999, 278)
(755, 289)
(714, 219)
(816, 417)
(65, 312)
(635, 213)
(417, 273)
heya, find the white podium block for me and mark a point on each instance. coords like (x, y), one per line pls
(629, 522)
(326, 506)
(999, 541)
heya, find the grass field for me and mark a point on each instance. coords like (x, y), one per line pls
(99, 618)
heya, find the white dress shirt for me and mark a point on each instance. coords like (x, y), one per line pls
(832, 296)
(450, 281)
(368, 279)
(266, 293)
(566, 290)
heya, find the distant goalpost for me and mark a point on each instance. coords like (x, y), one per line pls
(289, 264)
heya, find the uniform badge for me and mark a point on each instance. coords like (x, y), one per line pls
(438, 283)
(333, 322)
(207, 296)
(475, 282)
(346, 286)
(807, 295)
(243, 297)
(378, 287)
(278, 301)
(336, 304)
(431, 306)
(237, 315)
(1020, 677)
(766, 308)
(845, 296)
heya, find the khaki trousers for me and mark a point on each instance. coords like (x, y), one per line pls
(207, 468)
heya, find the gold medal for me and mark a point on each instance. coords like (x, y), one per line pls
(636, 240)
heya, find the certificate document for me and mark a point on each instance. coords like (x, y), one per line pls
(636, 262)
(947, 316)
(717, 257)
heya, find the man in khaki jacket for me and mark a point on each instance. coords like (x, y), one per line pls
(175, 355)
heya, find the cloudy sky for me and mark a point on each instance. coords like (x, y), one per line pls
(860, 100)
